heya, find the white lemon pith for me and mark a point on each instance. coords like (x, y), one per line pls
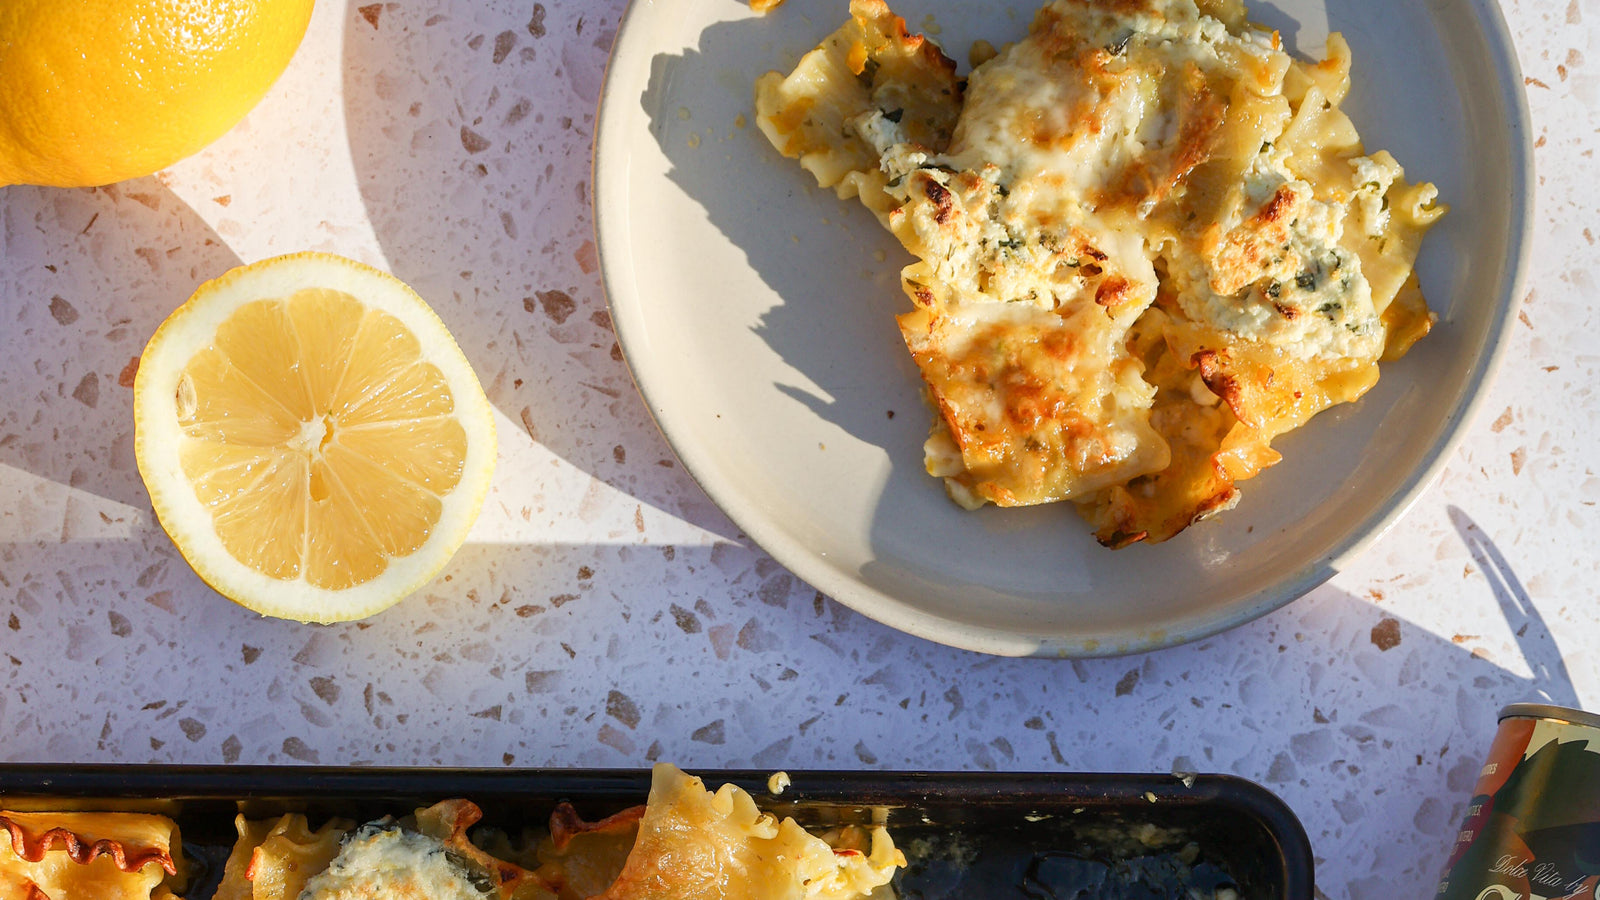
(312, 438)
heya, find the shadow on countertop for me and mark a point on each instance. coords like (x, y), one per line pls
(482, 115)
(92, 272)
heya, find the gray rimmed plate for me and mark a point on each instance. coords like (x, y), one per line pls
(757, 314)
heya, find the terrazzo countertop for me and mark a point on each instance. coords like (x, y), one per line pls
(604, 612)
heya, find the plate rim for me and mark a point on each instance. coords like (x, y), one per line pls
(892, 611)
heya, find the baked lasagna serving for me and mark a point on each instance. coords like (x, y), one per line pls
(1147, 241)
(685, 843)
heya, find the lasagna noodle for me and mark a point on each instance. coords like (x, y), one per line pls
(1194, 424)
(694, 843)
(582, 859)
(107, 856)
(273, 859)
(871, 66)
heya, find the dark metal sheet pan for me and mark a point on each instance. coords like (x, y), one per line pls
(966, 835)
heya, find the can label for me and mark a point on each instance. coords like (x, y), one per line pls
(1532, 831)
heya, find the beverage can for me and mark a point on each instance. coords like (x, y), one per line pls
(1532, 830)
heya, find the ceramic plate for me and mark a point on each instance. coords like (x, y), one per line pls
(757, 314)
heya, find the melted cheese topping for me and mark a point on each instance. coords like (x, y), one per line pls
(1095, 104)
(1036, 411)
(384, 860)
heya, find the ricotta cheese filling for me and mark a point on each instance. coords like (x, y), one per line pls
(1273, 271)
(382, 859)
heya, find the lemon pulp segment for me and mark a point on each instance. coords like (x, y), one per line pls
(318, 438)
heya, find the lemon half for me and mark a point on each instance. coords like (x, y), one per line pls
(312, 438)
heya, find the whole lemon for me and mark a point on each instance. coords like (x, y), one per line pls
(97, 91)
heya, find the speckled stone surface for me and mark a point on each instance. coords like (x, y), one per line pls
(604, 613)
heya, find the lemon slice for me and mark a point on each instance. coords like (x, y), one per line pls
(312, 438)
